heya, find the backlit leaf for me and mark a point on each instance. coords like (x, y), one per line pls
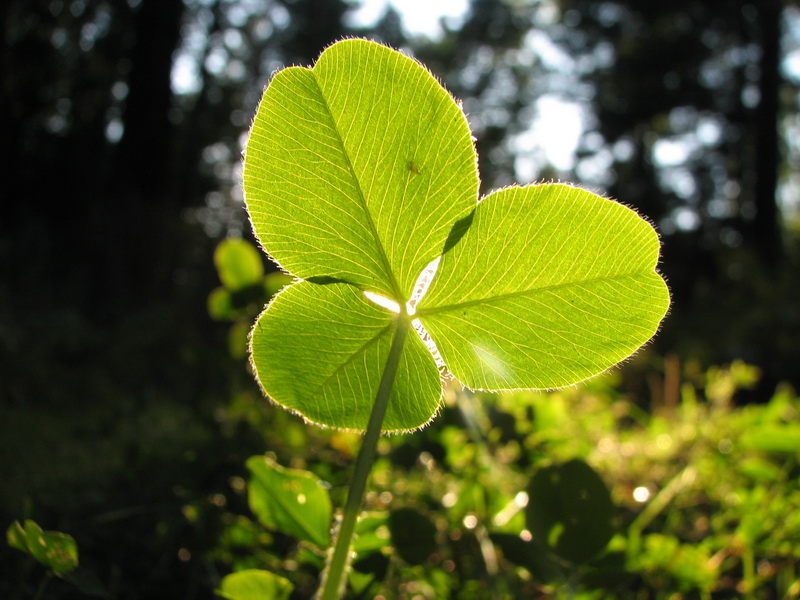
(356, 169)
(550, 285)
(319, 350)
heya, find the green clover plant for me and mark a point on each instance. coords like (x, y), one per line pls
(360, 174)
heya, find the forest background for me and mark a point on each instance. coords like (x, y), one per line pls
(121, 129)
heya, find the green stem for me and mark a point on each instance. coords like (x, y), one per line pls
(659, 502)
(334, 580)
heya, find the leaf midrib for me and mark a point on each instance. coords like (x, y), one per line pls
(354, 354)
(384, 259)
(423, 312)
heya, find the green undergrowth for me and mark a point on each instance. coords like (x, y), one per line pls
(696, 498)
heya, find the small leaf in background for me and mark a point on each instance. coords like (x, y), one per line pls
(15, 536)
(54, 549)
(289, 500)
(255, 584)
(413, 535)
(238, 264)
(220, 305)
(570, 510)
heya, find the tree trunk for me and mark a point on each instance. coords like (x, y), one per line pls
(764, 230)
(142, 205)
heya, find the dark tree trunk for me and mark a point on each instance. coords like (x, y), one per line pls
(142, 204)
(144, 151)
(764, 230)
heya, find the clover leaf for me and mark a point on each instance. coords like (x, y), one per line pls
(359, 173)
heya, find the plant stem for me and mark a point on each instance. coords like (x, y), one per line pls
(659, 502)
(334, 581)
(749, 571)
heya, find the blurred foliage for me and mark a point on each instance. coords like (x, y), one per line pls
(496, 499)
(244, 292)
(255, 585)
(51, 548)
